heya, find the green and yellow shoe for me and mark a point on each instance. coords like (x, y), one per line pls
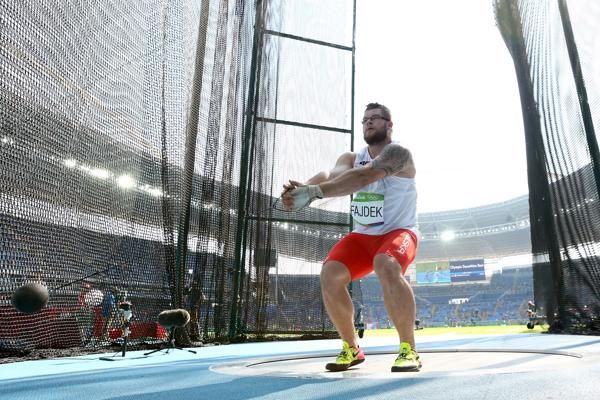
(407, 360)
(348, 357)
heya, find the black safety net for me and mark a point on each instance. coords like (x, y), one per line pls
(143, 145)
(554, 45)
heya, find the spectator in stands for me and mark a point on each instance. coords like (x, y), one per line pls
(195, 299)
(88, 299)
(109, 310)
(384, 240)
(83, 291)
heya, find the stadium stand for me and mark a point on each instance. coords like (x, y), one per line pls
(494, 230)
(502, 300)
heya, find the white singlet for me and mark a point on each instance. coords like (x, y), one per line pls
(385, 205)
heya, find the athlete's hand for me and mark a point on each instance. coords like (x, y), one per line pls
(286, 198)
(298, 196)
(289, 186)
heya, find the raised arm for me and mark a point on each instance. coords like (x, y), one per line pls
(344, 163)
(393, 160)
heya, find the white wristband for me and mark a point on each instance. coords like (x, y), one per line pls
(304, 195)
(315, 192)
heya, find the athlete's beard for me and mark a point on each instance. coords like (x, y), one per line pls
(378, 137)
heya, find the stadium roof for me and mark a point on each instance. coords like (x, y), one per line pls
(487, 231)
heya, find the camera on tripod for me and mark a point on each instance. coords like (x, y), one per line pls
(124, 308)
(126, 312)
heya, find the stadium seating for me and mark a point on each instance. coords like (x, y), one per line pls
(502, 300)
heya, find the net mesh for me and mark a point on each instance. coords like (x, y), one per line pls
(554, 45)
(143, 146)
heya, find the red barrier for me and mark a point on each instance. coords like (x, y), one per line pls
(54, 327)
(139, 330)
(48, 328)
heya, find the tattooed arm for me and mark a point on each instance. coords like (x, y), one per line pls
(393, 160)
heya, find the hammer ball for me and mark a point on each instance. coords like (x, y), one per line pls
(30, 298)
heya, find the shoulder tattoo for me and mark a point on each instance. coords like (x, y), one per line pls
(392, 159)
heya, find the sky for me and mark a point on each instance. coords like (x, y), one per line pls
(443, 69)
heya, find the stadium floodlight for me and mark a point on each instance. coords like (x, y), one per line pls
(155, 192)
(71, 163)
(447, 236)
(99, 173)
(126, 181)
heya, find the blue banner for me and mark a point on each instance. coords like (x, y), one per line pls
(467, 270)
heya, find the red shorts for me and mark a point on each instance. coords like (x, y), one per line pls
(357, 250)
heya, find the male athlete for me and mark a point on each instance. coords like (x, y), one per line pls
(384, 240)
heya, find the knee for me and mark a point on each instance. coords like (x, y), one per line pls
(387, 268)
(334, 274)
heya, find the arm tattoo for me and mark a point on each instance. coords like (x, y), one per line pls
(392, 159)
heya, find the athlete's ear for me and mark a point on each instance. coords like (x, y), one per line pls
(390, 124)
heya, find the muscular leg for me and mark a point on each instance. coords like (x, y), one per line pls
(398, 296)
(335, 278)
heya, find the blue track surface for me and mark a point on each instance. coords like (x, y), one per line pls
(181, 375)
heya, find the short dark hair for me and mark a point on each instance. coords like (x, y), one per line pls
(385, 111)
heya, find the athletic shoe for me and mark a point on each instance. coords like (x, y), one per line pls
(348, 357)
(407, 360)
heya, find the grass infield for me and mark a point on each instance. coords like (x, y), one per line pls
(463, 330)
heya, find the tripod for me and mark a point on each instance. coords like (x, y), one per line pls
(126, 314)
(171, 343)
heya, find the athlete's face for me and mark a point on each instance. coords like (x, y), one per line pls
(375, 126)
